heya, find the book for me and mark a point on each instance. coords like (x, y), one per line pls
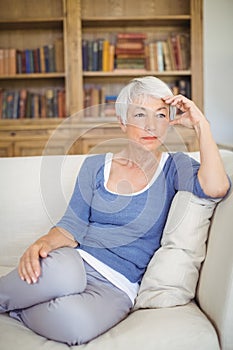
(130, 44)
(1, 62)
(28, 61)
(12, 61)
(95, 55)
(49, 94)
(15, 111)
(166, 56)
(22, 103)
(153, 60)
(61, 103)
(36, 60)
(85, 55)
(1, 102)
(160, 58)
(46, 58)
(51, 59)
(106, 45)
(42, 60)
(5, 62)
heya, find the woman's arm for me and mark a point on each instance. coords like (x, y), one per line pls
(29, 265)
(70, 229)
(211, 174)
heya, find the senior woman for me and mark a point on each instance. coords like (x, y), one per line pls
(82, 277)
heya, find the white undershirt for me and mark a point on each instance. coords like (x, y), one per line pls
(116, 278)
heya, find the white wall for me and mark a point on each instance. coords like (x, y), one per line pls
(218, 68)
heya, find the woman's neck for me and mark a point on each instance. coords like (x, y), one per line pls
(134, 156)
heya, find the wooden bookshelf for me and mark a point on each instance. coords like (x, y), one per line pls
(32, 24)
(26, 24)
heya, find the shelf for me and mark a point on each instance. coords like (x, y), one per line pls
(33, 76)
(32, 23)
(111, 21)
(134, 72)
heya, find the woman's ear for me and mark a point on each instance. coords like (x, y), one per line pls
(122, 125)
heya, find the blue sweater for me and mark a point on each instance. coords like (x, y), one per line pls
(125, 231)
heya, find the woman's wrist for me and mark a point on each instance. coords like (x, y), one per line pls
(59, 237)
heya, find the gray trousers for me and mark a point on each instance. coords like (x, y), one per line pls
(71, 302)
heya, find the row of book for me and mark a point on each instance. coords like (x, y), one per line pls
(99, 99)
(137, 51)
(44, 59)
(18, 104)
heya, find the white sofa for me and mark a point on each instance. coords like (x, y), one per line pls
(34, 193)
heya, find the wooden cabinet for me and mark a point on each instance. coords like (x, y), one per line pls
(29, 24)
(72, 137)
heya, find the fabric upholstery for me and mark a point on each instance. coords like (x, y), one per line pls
(173, 272)
(33, 197)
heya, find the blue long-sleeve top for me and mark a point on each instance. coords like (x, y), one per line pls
(124, 231)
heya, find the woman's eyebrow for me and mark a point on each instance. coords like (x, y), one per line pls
(160, 108)
(146, 108)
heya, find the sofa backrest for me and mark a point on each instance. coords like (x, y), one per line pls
(215, 289)
(34, 193)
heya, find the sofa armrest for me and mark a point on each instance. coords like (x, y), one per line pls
(215, 289)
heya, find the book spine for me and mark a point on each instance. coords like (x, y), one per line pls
(46, 58)
(85, 55)
(106, 45)
(2, 62)
(160, 56)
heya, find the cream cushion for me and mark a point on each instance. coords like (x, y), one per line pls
(172, 274)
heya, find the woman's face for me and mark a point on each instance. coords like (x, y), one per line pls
(147, 122)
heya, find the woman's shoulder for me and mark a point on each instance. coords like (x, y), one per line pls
(95, 160)
(180, 159)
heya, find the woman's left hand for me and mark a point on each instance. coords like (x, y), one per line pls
(191, 115)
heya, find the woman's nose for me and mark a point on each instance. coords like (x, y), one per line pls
(150, 123)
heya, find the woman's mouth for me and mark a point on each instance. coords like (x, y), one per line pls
(149, 138)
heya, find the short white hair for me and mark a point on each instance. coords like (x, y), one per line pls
(144, 87)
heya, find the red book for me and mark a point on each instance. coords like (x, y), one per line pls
(129, 51)
(22, 103)
(36, 61)
(1, 102)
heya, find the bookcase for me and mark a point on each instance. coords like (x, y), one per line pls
(65, 26)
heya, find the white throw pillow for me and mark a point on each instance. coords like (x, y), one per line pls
(172, 274)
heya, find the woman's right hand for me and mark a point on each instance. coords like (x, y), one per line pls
(29, 266)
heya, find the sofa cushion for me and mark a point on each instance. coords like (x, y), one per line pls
(184, 327)
(172, 274)
(34, 195)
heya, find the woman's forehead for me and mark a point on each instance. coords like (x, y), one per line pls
(148, 102)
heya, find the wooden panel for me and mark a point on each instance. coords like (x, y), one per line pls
(74, 82)
(124, 8)
(29, 39)
(197, 52)
(39, 146)
(6, 149)
(30, 9)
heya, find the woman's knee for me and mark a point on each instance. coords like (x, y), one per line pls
(59, 320)
(64, 267)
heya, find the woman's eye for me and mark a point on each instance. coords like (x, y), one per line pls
(160, 115)
(139, 115)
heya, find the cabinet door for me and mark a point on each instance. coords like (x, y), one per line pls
(6, 149)
(40, 146)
